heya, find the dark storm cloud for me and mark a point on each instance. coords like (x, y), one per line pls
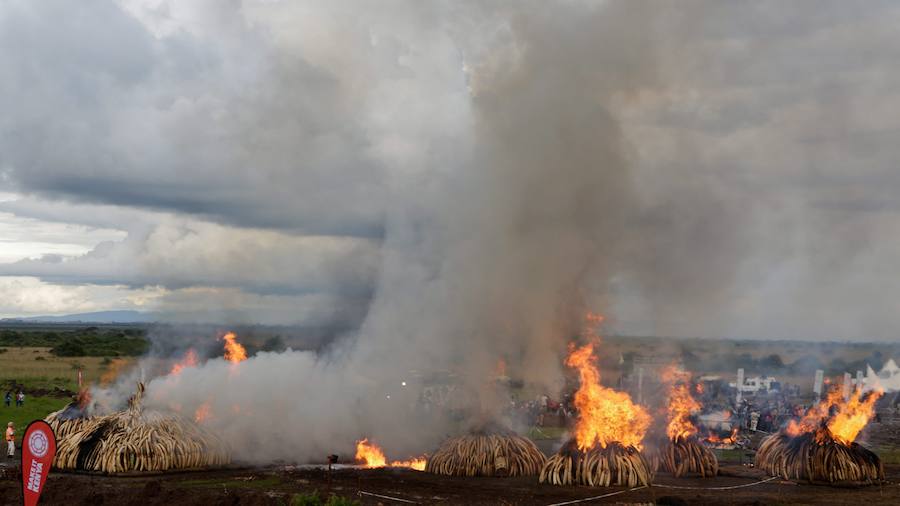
(529, 161)
(178, 255)
(722, 169)
(98, 109)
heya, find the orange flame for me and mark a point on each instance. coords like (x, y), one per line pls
(604, 415)
(731, 439)
(370, 453)
(203, 413)
(189, 360)
(234, 352)
(373, 456)
(681, 405)
(417, 464)
(843, 419)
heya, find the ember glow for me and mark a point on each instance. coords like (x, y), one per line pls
(373, 456)
(234, 352)
(604, 415)
(189, 360)
(843, 419)
(681, 405)
(83, 399)
(113, 370)
(203, 413)
(500, 369)
(729, 440)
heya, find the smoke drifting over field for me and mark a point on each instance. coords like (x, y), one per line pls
(470, 179)
(495, 258)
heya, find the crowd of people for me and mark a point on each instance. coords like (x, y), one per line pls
(764, 413)
(542, 411)
(767, 414)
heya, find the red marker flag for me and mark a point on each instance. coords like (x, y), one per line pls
(38, 450)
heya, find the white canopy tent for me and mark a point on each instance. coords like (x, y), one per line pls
(888, 379)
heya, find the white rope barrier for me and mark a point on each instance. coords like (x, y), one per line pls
(387, 497)
(576, 501)
(597, 497)
(715, 488)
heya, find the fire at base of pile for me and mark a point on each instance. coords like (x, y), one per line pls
(597, 466)
(683, 457)
(134, 440)
(501, 453)
(818, 458)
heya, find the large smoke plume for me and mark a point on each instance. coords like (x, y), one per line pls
(495, 255)
(566, 163)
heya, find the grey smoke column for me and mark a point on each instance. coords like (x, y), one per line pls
(494, 255)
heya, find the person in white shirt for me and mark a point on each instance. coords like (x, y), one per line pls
(754, 420)
(10, 440)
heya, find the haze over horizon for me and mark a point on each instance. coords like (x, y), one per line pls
(707, 169)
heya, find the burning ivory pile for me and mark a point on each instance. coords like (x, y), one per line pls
(608, 435)
(682, 453)
(820, 448)
(134, 440)
(490, 451)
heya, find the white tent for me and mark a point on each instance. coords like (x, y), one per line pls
(888, 379)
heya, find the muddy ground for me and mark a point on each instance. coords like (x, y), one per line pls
(277, 485)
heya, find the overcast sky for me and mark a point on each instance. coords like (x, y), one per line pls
(251, 160)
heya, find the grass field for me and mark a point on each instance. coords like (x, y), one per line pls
(34, 409)
(37, 369)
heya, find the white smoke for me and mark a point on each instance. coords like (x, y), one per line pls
(493, 253)
(512, 202)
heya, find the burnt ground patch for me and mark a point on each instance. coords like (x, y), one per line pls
(278, 485)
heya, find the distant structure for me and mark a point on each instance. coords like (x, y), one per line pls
(645, 379)
(756, 384)
(888, 379)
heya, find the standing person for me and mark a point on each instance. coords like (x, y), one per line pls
(754, 420)
(8, 398)
(10, 440)
(21, 398)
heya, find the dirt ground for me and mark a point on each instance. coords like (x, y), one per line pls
(277, 485)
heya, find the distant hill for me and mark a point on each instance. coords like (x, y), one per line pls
(124, 316)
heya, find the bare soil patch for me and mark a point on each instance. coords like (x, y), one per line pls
(277, 485)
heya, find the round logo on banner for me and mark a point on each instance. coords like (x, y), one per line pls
(38, 443)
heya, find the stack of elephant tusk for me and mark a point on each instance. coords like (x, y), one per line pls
(496, 452)
(684, 456)
(817, 457)
(597, 466)
(134, 440)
